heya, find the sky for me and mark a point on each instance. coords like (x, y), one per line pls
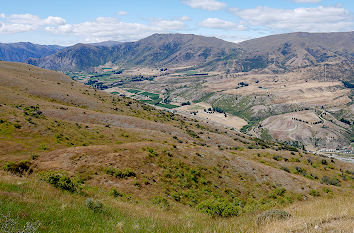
(67, 22)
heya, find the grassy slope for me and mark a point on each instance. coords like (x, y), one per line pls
(82, 132)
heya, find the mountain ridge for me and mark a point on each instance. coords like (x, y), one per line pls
(275, 53)
(21, 51)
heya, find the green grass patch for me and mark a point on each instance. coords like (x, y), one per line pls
(169, 106)
(150, 95)
(134, 91)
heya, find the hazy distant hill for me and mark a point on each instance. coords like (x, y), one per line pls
(277, 53)
(301, 49)
(21, 51)
(158, 49)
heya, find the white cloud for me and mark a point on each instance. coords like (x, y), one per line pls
(26, 22)
(185, 18)
(2, 15)
(121, 13)
(307, 1)
(104, 28)
(217, 23)
(168, 25)
(34, 20)
(210, 5)
(319, 19)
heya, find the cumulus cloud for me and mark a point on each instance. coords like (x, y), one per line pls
(319, 19)
(185, 18)
(217, 23)
(106, 28)
(210, 5)
(26, 22)
(121, 13)
(168, 25)
(35, 20)
(2, 15)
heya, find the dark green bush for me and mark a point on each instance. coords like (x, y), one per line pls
(96, 206)
(301, 171)
(63, 182)
(32, 111)
(219, 207)
(330, 181)
(120, 173)
(314, 193)
(18, 168)
(277, 158)
(116, 193)
(324, 162)
(285, 169)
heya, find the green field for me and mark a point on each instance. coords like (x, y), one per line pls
(150, 95)
(134, 91)
(169, 106)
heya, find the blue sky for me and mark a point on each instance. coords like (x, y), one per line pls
(67, 22)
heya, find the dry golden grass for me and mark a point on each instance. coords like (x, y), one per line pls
(318, 215)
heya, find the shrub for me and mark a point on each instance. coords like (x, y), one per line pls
(96, 206)
(160, 201)
(120, 173)
(285, 169)
(293, 159)
(63, 182)
(327, 190)
(330, 181)
(277, 158)
(116, 193)
(272, 215)
(17, 126)
(18, 168)
(219, 207)
(32, 111)
(314, 193)
(151, 152)
(300, 170)
(324, 162)
(278, 192)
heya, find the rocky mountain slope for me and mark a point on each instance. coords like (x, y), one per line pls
(276, 53)
(156, 50)
(20, 52)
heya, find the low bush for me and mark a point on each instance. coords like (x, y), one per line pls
(18, 168)
(120, 173)
(116, 193)
(324, 162)
(219, 207)
(330, 181)
(96, 206)
(285, 169)
(314, 193)
(277, 158)
(63, 182)
(301, 171)
(293, 159)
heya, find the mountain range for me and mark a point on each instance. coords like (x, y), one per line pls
(20, 52)
(276, 53)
